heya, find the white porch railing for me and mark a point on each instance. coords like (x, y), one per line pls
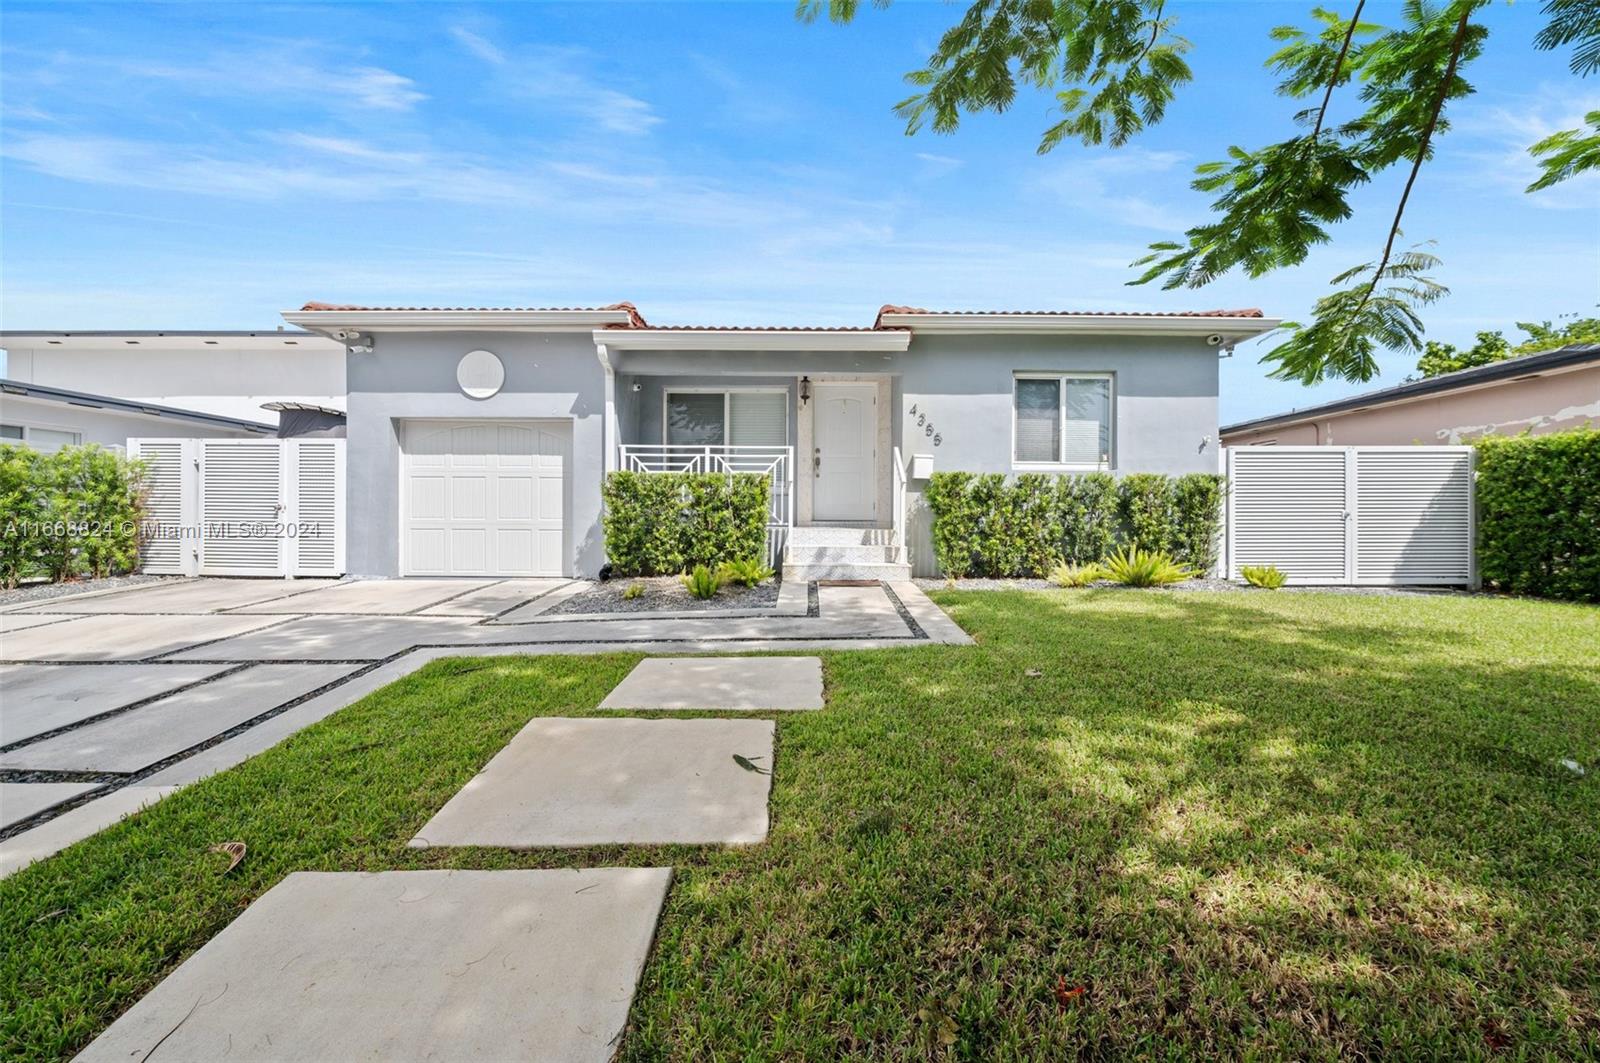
(898, 498)
(776, 463)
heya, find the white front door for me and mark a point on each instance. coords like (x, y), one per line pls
(484, 498)
(844, 429)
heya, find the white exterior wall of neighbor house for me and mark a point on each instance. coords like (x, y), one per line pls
(46, 425)
(228, 374)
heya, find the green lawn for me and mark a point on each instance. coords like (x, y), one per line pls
(1286, 825)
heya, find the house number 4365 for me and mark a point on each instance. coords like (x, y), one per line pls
(926, 425)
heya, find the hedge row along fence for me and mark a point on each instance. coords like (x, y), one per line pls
(658, 524)
(1539, 514)
(986, 525)
(76, 512)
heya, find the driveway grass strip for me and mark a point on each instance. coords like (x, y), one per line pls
(1124, 823)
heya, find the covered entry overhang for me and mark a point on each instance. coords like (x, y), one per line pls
(813, 405)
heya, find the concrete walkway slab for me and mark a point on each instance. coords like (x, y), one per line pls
(120, 637)
(752, 683)
(495, 599)
(374, 597)
(153, 732)
(20, 621)
(336, 638)
(74, 826)
(567, 782)
(19, 800)
(435, 965)
(42, 697)
(185, 596)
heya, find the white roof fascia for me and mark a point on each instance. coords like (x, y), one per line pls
(751, 340)
(455, 320)
(1233, 328)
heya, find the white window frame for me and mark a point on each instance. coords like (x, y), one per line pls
(27, 433)
(1060, 377)
(727, 410)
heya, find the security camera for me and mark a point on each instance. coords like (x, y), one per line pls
(1215, 339)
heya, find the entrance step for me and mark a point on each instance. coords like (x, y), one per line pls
(855, 570)
(838, 555)
(839, 535)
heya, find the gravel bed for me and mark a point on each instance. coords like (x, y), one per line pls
(1186, 585)
(43, 592)
(665, 594)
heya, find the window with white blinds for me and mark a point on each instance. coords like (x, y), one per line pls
(734, 418)
(1062, 419)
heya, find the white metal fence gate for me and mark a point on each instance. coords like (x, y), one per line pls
(243, 507)
(1353, 515)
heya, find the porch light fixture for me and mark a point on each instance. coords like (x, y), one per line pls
(805, 390)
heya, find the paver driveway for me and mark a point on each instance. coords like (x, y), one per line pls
(112, 699)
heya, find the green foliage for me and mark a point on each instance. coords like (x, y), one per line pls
(703, 581)
(746, 572)
(1567, 153)
(1066, 574)
(987, 526)
(1539, 514)
(1134, 567)
(1267, 577)
(634, 590)
(660, 523)
(71, 513)
(1144, 502)
(1492, 347)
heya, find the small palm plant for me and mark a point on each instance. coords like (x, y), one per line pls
(1268, 577)
(1064, 574)
(1134, 567)
(635, 590)
(702, 582)
(746, 573)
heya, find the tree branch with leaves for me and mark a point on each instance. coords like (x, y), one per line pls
(1115, 65)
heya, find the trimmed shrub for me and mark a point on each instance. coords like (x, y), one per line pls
(71, 513)
(1145, 503)
(984, 525)
(1539, 514)
(663, 523)
(1197, 519)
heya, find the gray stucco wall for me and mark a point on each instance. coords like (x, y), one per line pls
(413, 375)
(1165, 417)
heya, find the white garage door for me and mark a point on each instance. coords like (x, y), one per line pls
(484, 498)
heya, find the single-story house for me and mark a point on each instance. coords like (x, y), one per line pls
(1537, 393)
(478, 439)
(229, 373)
(48, 418)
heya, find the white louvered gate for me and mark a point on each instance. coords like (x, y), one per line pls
(245, 507)
(1353, 515)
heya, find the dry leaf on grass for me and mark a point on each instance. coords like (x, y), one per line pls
(235, 851)
(1066, 995)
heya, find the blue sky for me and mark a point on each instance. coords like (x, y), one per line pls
(176, 166)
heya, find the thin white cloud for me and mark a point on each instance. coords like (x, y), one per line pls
(1094, 184)
(1493, 139)
(938, 165)
(557, 76)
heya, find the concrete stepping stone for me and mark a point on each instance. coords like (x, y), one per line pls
(436, 965)
(566, 782)
(748, 683)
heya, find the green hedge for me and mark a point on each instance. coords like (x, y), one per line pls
(1539, 514)
(986, 525)
(72, 513)
(662, 523)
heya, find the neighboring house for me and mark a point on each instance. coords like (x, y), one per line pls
(47, 418)
(1536, 393)
(225, 373)
(478, 439)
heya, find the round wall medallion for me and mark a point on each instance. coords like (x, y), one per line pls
(480, 374)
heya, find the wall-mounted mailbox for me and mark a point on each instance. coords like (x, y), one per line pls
(921, 466)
